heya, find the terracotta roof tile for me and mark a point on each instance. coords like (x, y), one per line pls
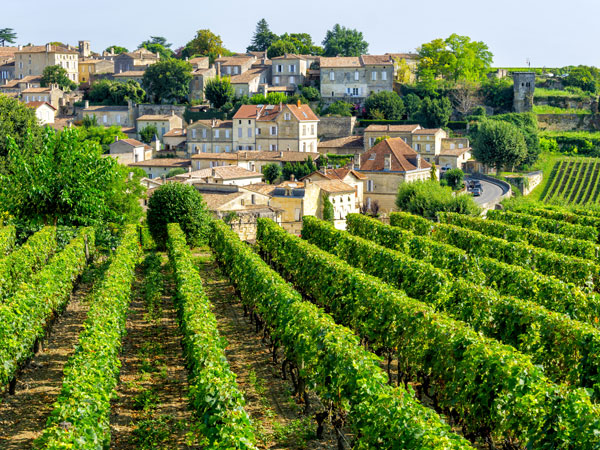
(377, 60)
(176, 132)
(349, 142)
(334, 186)
(427, 131)
(402, 157)
(397, 128)
(230, 172)
(340, 61)
(247, 76)
(42, 49)
(163, 162)
(156, 117)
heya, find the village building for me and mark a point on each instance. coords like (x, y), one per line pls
(251, 160)
(290, 70)
(160, 167)
(163, 122)
(210, 136)
(200, 77)
(128, 151)
(109, 115)
(220, 175)
(44, 111)
(386, 165)
(32, 60)
(138, 60)
(50, 94)
(89, 69)
(349, 145)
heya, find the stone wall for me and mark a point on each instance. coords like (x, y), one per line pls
(569, 122)
(245, 223)
(565, 102)
(335, 127)
(527, 182)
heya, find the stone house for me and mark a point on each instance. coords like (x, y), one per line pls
(32, 60)
(347, 175)
(7, 71)
(134, 75)
(349, 145)
(159, 167)
(162, 122)
(249, 82)
(44, 111)
(200, 62)
(50, 94)
(411, 60)
(199, 79)
(128, 151)
(275, 127)
(372, 132)
(139, 59)
(290, 70)
(18, 85)
(353, 79)
(454, 154)
(175, 139)
(210, 136)
(90, 68)
(109, 115)
(387, 165)
(343, 197)
(234, 65)
(251, 160)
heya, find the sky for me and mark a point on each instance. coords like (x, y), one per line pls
(548, 33)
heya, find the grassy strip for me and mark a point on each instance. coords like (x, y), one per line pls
(80, 417)
(214, 394)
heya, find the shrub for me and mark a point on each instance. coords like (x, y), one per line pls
(176, 202)
(388, 104)
(455, 178)
(340, 108)
(427, 198)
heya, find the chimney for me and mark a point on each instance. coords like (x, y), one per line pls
(86, 104)
(190, 171)
(218, 68)
(357, 165)
(214, 122)
(299, 103)
(292, 177)
(418, 161)
(116, 138)
(157, 55)
(281, 154)
(20, 47)
(172, 112)
(48, 47)
(112, 50)
(187, 59)
(213, 172)
(387, 162)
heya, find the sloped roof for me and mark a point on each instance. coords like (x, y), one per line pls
(42, 49)
(247, 76)
(376, 60)
(217, 123)
(397, 128)
(215, 201)
(260, 188)
(230, 172)
(427, 131)
(163, 162)
(36, 105)
(340, 61)
(156, 117)
(176, 132)
(454, 151)
(130, 73)
(402, 157)
(334, 186)
(349, 142)
(302, 112)
(265, 113)
(134, 143)
(36, 90)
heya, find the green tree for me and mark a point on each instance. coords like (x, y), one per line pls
(499, 144)
(67, 181)
(57, 75)
(271, 172)
(388, 103)
(205, 43)
(219, 91)
(297, 43)
(176, 171)
(403, 71)
(427, 198)
(528, 125)
(7, 35)
(498, 93)
(380, 139)
(455, 178)
(147, 134)
(168, 81)
(280, 48)
(110, 92)
(342, 41)
(103, 136)
(328, 213)
(16, 121)
(340, 108)
(412, 105)
(454, 58)
(433, 173)
(263, 37)
(178, 203)
(117, 49)
(435, 113)
(584, 77)
(312, 94)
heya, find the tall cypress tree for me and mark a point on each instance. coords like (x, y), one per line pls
(263, 37)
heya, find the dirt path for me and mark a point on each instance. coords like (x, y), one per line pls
(278, 418)
(23, 415)
(152, 407)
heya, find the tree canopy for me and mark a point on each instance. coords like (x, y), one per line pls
(16, 121)
(103, 136)
(271, 172)
(7, 35)
(344, 41)
(263, 37)
(584, 77)
(219, 91)
(427, 198)
(67, 181)
(340, 108)
(147, 133)
(158, 44)
(299, 43)
(57, 75)
(110, 92)
(499, 144)
(388, 104)
(454, 58)
(117, 49)
(205, 43)
(435, 113)
(168, 81)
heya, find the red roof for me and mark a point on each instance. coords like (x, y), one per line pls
(402, 157)
(302, 112)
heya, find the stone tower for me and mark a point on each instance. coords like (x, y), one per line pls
(84, 49)
(523, 91)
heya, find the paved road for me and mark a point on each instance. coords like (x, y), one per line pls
(491, 192)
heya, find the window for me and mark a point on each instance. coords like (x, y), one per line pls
(249, 132)
(417, 147)
(373, 76)
(331, 76)
(304, 146)
(274, 131)
(203, 133)
(370, 186)
(105, 118)
(292, 68)
(287, 116)
(460, 145)
(239, 122)
(372, 157)
(226, 133)
(217, 149)
(279, 68)
(227, 148)
(236, 70)
(241, 91)
(371, 140)
(162, 130)
(452, 146)
(253, 199)
(203, 148)
(229, 70)
(276, 80)
(292, 80)
(384, 75)
(216, 134)
(356, 75)
(355, 91)
(239, 132)
(118, 118)
(427, 147)
(257, 131)
(297, 214)
(259, 147)
(273, 147)
(303, 130)
(194, 133)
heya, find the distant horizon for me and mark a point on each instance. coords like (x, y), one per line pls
(541, 34)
